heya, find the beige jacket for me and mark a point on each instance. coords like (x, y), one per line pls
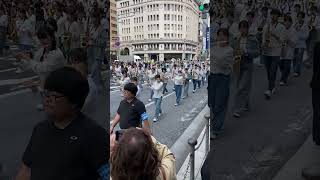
(168, 162)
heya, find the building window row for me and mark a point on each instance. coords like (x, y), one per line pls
(125, 30)
(138, 10)
(125, 12)
(173, 7)
(138, 47)
(172, 35)
(138, 29)
(153, 36)
(138, 37)
(138, 20)
(153, 46)
(174, 17)
(125, 22)
(173, 46)
(124, 4)
(173, 27)
(126, 38)
(153, 17)
(137, 1)
(153, 27)
(153, 7)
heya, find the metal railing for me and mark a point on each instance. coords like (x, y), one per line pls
(193, 143)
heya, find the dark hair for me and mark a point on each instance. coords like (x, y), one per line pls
(297, 6)
(250, 13)
(46, 32)
(135, 157)
(135, 79)
(243, 23)
(78, 55)
(131, 88)
(70, 83)
(275, 12)
(301, 14)
(157, 76)
(224, 31)
(288, 18)
(264, 8)
(51, 23)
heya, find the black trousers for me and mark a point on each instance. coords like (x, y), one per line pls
(316, 115)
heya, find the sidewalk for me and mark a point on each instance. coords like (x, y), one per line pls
(307, 155)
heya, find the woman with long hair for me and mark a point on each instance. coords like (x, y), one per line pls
(135, 155)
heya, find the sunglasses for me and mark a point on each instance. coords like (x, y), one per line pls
(51, 95)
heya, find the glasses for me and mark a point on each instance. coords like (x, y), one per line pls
(51, 95)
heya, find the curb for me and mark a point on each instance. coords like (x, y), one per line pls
(181, 148)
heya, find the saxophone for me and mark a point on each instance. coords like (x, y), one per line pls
(311, 22)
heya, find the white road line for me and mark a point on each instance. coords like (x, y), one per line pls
(118, 90)
(149, 104)
(2, 96)
(7, 70)
(15, 81)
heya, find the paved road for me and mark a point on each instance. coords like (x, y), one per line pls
(174, 120)
(258, 144)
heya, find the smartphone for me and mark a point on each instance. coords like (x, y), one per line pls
(118, 134)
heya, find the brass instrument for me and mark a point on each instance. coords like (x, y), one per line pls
(311, 22)
(83, 40)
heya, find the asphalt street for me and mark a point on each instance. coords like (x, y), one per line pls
(174, 119)
(258, 144)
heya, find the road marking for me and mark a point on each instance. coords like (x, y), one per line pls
(2, 96)
(149, 104)
(15, 81)
(118, 90)
(7, 70)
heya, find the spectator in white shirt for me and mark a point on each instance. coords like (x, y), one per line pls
(302, 36)
(24, 32)
(287, 50)
(152, 74)
(178, 83)
(134, 80)
(157, 96)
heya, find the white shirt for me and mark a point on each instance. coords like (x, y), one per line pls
(291, 38)
(275, 46)
(157, 89)
(4, 21)
(25, 31)
(75, 30)
(178, 80)
(61, 26)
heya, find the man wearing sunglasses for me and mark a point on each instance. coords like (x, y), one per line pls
(67, 145)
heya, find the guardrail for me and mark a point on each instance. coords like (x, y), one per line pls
(193, 143)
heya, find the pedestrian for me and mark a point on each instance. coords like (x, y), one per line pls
(195, 77)
(219, 83)
(131, 112)
(273, 35)
(178, 83)
(78, 60)
(302, 32)
(187, 77)
(150, 160)
(134, 80)
(25, 32)
(157, 88)
(247, 47)
(151, 75)
(313, 172)
(165, 79)
(3, 28)
(287, 53)
(45, 60)
(76, 144)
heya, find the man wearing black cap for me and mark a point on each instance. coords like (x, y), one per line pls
(131, 112)
(67, 145)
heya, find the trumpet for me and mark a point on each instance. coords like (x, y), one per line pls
(83, 40)
(311, 22)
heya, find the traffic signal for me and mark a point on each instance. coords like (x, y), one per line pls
(204, 7)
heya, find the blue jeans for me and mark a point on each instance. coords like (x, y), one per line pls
(285, 68)
(165, 90)
(199, 83)
(158, 110)
(194, 82)
(297, 60)
(24, 47)
(244, 83)
(271, 63)
(178, 90)
(219, 85)
(186, 88)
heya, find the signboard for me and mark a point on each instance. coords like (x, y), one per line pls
(208, 38)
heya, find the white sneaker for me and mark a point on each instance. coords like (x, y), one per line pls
(268, 94)
(18, 71)
(183, 97)
(273, 91)
(40, 107)
(282, 83)
(159, 114)
(236, 115)
(175, 104)
(155, 119)
(193, 91)
(150, 100)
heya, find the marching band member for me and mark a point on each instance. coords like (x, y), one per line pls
(247, 47)
(273, 35)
